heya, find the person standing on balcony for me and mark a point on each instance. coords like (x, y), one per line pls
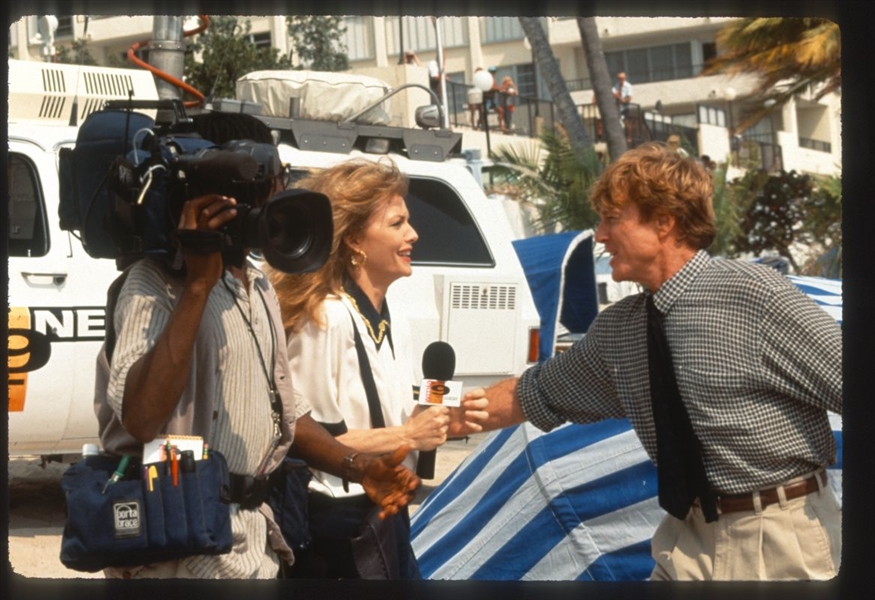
(436, 72)
(623, 94)
(490, 98)
(507, 91)
(475, 109)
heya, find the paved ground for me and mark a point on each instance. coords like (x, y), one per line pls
(36, 510)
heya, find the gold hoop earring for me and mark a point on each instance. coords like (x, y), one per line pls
(360, 262)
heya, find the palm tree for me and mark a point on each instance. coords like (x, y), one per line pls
(601, 85)
(790, 55)
(567, 113)
(551, 177)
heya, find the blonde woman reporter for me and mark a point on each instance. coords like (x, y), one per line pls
(323, 313)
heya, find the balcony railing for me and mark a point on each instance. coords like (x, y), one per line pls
(529, 113)
(750, 153)
(635, 126)
(752, 150)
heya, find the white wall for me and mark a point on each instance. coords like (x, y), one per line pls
(804, 159)
(714, 142)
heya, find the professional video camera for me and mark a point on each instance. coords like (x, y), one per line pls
(124, 184)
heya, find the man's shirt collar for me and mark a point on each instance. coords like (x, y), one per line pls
(674, 288)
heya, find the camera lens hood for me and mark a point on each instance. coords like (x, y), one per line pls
(294, 230)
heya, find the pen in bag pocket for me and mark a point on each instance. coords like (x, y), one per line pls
(174, 466)
(119, 472)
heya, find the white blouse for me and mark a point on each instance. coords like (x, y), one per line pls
(325, 370)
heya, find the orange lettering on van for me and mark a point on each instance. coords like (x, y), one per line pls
(19, 318)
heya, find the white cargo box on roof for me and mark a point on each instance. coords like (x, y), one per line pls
(321, 95)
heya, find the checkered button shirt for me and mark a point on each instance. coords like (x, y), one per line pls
(758, 364)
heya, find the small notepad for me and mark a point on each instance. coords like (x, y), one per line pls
(155, 451)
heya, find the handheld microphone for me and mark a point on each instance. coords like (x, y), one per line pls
(438, 366)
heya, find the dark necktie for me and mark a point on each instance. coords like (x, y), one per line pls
(680, 470)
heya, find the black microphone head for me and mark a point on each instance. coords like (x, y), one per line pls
(439, 361)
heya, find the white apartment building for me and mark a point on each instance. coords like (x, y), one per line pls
(662, 58)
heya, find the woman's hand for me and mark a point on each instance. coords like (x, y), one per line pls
(426, 429)
(470, 416)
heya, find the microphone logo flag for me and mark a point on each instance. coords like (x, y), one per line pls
(445, 393)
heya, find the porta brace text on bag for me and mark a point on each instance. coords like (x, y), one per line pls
(144, 517)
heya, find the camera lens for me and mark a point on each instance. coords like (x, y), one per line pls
(294, 230)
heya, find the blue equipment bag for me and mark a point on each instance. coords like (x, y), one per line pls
(288, 501)
(141, 519)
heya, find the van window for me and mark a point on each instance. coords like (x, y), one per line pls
(28, 231)
(448, 235)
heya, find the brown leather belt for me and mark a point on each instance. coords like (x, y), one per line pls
(731, 503)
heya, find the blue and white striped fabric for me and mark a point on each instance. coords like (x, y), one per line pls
(826, 292)
(577, 503)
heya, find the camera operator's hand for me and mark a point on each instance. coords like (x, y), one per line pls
(205, 213)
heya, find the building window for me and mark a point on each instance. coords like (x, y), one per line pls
(260, 40)
(501, 29)
(657, 63)
(525, 80)
(419, 35)
(359, 38)
(709, 51)
(65, 27)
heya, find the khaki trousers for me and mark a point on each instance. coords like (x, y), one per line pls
(798, 539)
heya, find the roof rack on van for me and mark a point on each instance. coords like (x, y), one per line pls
(344, 137)
(340, 112)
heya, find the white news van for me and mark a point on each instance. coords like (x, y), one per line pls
(467, 287)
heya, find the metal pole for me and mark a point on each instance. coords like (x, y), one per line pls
(441, 66)
(166, 52)
(485, 117)
(400, 40)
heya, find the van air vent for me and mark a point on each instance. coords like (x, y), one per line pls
(483, 296)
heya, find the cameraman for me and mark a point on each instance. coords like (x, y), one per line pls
(199, 352)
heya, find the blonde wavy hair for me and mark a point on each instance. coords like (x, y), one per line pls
(356, 188)
(661, 182)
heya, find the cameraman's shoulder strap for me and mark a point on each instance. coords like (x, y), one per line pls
(111, 300)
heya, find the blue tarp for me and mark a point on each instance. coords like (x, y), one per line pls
(560, 271)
